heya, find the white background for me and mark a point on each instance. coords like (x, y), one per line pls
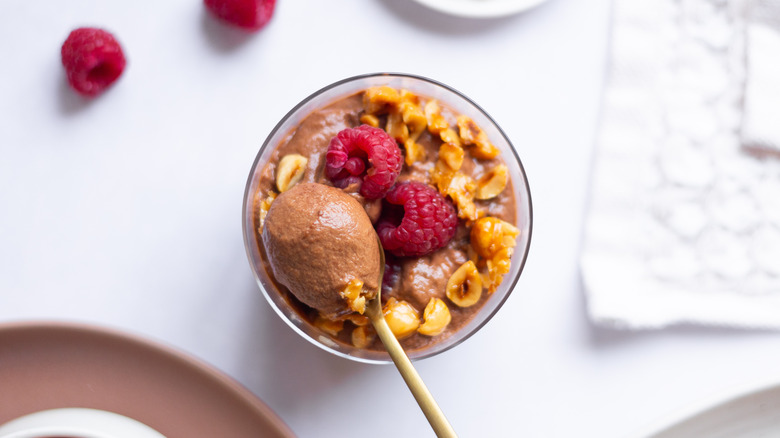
(125, 211)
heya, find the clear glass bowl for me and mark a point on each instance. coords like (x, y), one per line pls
(424, 87)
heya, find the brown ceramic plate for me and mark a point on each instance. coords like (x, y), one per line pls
(56, 365)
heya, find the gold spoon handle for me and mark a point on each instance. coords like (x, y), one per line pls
(416, 385)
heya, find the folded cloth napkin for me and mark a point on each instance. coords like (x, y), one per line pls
(761, 119)
(683, 224)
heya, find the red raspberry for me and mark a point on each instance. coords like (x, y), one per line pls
(345, 161)
(416, 220)
(251, 15)
(93, 60)
(391, 276)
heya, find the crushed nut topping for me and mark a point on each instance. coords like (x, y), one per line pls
(262, 210)
(406, 121)
(460, 188)
(436, 317)
(402, 317)
(363, 336)
(352, 293)
(452, 155)
(473, 135)
(464, 287)
(289, 171)
(379, 100)
(436, 122)
(329, 326)
(494, 240)
(493, 182)
(370, 119)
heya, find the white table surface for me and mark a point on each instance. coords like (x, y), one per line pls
(126, 211)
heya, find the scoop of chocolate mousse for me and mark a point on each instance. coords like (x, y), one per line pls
(317, 239)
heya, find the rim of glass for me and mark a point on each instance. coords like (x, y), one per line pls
(250, 241)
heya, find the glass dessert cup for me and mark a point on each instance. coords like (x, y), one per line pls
(423, 87)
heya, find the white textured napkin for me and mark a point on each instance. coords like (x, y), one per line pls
(761, 122)
(683, 223)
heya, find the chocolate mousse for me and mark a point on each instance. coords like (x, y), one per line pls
(318, 239)
(426, 297)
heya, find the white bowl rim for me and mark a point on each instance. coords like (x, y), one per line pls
(722, 397)
(76, 422)
(480, 8)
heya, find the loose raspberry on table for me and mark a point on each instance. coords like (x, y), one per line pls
(366, 156)
(93, 60)
(416, 220)
(250, 15)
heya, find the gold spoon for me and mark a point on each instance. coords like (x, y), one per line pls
(420, 392)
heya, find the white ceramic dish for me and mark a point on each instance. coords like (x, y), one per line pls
(745, 413)
(72, 422)
(480, 8)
